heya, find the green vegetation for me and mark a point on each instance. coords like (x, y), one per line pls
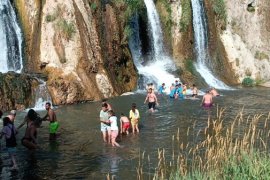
(66, 28)
(219, 8)
(130, 8)
(50, 17)
(165, 13)
(238, 150)
(186, 15)
(93, 6)
(189, 66)
(261, 55)
(248, 81)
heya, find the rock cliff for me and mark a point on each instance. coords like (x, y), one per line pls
(246, 38)
(80, 45)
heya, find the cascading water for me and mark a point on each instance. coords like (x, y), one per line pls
(158, 69)
(201, 45)
(10, 39)
(41, 95)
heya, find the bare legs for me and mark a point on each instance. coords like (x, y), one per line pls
(106, 136)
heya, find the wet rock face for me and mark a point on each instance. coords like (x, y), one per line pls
(16, 91)
(75, 43)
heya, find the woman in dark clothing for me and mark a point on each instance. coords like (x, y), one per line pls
(30, 137)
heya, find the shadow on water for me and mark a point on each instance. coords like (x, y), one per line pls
(79, 152)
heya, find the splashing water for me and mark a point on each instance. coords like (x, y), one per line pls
(158, 69)
(41, 96)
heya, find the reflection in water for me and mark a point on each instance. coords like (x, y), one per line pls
(79, 152)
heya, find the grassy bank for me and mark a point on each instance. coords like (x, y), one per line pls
(234, 151)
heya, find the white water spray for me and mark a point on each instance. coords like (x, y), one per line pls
(10, 39)
(41, 96)
(201, 46)
(157, 69)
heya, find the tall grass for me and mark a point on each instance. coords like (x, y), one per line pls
(234, 151)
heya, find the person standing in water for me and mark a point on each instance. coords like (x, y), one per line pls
(194, 91)
(161, 89)
(104, 125)
(207, 101)
(114, 128)
(9, 131)
(30, 137)
(134, 116)
(51, 117)
(152, 100)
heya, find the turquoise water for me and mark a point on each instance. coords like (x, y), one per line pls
(79, 152)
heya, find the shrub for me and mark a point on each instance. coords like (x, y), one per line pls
(189, 66)
(50, 17)
(261, 55)
(219, 8)
(186, 15)
(248, 81)
(67, 28)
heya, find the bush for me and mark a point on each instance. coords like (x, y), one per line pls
(219, 8)
(189, 66)
(67, 28)
(50, 18)
(186, 15)
(248, 81)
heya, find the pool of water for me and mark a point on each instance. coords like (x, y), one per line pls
(79, 152)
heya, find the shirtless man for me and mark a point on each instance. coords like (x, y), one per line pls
(214, 92)
(152, 100)
(194, 91)
(51, 117)
(207, 101)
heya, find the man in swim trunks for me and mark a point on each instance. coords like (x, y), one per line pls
(207, 101)
(194, 91)
(152, 100)
(51, 117)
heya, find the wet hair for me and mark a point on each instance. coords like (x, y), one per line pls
(6, 121)
(151, 84)
(194, 85)
(111, 112)
(32, 115)
(1, 113)
(104, 105)
(134, 104)
(48, 103)
(122, 114)
(104, 100)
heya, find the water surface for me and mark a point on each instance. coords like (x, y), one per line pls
(79, 152)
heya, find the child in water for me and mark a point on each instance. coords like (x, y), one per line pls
(134, 116)
(125, 124)
(114, 128)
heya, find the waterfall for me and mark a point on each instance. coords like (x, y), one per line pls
(158, 69)
(201, 45)
(41, 96)
(10, 39)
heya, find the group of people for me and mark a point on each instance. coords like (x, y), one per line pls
(109, 126)
(179, 91)
(29, 140)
